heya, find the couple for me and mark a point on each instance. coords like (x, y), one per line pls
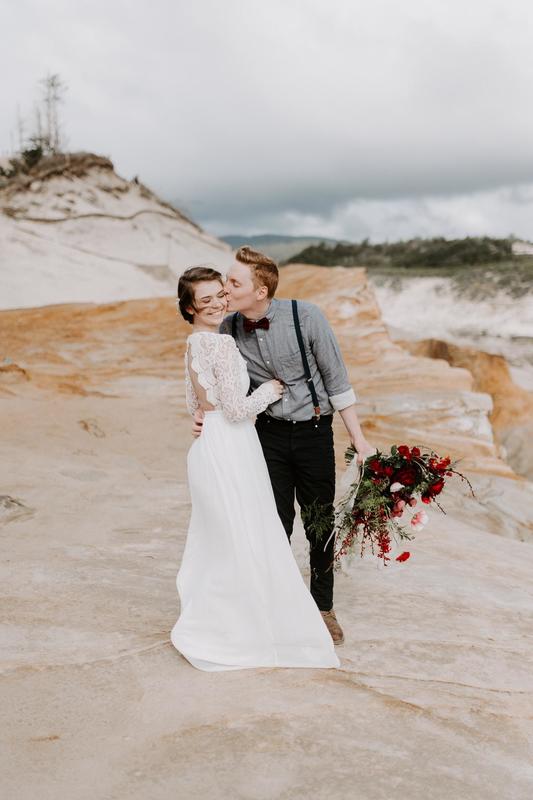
(244, 603)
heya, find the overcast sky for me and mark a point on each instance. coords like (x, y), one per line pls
(346, 118)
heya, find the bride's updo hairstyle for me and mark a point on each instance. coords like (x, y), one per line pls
(204, 272)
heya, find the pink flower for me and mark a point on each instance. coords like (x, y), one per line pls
(412, 501)
(395, 487)
(419, 520)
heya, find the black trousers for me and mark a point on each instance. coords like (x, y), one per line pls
(301, 463)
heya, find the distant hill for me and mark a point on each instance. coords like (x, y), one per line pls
(280, 248)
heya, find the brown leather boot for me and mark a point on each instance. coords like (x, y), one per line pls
(333, 627)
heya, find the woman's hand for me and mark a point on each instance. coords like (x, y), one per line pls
(277, 386)
(198, 422)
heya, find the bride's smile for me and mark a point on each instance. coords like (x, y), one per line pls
(210, 305)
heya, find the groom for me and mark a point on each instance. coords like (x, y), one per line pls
(296, 432)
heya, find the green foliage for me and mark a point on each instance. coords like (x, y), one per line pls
(318, 519)
(32, 155)
(29, 158)
(438, 252)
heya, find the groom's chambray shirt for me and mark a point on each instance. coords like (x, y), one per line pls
(274, 353)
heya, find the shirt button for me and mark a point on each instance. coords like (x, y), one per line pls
(260, 338)
(268, 362)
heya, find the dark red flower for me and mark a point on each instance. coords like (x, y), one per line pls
(426, 499)
(415, 452)
(383, 542)
(403, 556)
(388, 471)
(404, 451)
(437, 487)
(375, 465)
(407, 475)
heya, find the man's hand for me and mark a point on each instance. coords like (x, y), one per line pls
(363, 448)
(349, 417)
(198, 422)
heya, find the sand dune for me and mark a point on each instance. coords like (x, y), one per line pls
(84, 234)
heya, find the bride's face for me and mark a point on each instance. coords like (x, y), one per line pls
(210, 304)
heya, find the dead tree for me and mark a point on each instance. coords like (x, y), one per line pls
(53, 92)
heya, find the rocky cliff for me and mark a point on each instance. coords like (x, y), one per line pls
(512, 410)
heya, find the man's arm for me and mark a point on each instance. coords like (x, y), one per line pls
(351, 423)
(335, 376)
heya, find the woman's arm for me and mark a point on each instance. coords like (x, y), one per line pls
(234, 401)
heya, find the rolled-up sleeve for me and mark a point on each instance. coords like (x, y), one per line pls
(329, 360)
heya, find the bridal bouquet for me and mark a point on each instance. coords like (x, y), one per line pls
(380, 504)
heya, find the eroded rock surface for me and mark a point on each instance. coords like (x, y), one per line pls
(434, 696)
(512, 412)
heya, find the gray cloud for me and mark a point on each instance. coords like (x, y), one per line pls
(293, 111)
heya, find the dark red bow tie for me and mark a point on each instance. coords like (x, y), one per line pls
(250, 325)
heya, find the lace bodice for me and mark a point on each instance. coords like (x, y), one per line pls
(221, 370)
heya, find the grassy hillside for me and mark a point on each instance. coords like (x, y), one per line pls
(437, 252)
(479, 267)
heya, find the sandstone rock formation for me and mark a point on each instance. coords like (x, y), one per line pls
(434, 696)
(512, 412)
(74, 231)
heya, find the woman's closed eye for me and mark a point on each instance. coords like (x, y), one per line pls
(206, 301)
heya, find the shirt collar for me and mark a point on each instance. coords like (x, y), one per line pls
(271, 313)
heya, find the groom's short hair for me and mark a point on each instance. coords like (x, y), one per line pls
(264, 270)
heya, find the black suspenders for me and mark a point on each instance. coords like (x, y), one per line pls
(307, 371)
(305, 362)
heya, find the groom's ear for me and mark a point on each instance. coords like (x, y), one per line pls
(262, 293)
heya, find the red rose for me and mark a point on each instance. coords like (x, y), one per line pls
(404, 451)
(388, 471)
(403, 556)
(375, 465)
(406, 475)
(426, 499)
(437, 487)
(415, 452)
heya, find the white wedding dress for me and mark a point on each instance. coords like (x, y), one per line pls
(243, 600)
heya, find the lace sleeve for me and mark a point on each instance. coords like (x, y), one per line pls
(231, 395)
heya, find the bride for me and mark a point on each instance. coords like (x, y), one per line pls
(243, 600)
